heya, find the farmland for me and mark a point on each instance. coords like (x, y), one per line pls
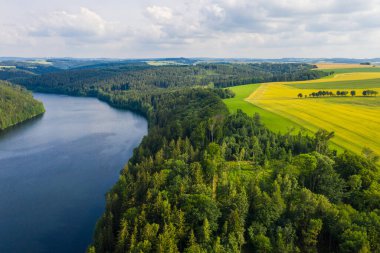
(272, 120)
(354, 120)
(353, 70)
(350, 84)
(342, 66)
(347, 68)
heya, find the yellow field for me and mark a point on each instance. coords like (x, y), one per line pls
(344, 77)
(355, 120)
(340, 65)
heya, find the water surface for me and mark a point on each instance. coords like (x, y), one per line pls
(56, 169)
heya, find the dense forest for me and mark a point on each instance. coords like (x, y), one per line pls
(139, 76)
(17, 105)
(205, 180)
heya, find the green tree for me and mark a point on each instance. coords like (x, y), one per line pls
(260, 242)
(310, 235)
(370, 155)
(354, 241)
(167, 240)
(199, 207)
(206, 232)
(322, 138)
(193, 246)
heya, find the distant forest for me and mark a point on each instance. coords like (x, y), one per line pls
(17, 105)
(206, 180)
(139, 76)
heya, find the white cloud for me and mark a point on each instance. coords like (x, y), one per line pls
(10, 34)
(216, 11)
(160, 13)
(85, 25)
(230, 28)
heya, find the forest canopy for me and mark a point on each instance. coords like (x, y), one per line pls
(85, 81)
(17, 105)
(204, 180)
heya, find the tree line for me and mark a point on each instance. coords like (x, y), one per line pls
(324, 93)
(370, 93)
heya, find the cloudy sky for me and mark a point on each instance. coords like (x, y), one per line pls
(194, 28)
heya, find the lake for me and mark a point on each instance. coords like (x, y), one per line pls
(56, 169)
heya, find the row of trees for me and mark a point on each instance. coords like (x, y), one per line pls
(323, 93)
(370, 93)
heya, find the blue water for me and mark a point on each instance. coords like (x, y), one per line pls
(56, 169)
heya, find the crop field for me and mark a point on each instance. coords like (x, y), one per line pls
(355, 120)
(352, 84)
(347, 68)
(340, 66)
(353, 70)
(273, 121)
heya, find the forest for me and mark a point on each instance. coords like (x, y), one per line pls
(139, 76)
(17, 105)
(206, 180)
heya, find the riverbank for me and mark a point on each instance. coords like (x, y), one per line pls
(17, 105)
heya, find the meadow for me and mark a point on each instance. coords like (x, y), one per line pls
(272, 120)
(333, 84)
(353, 70)
(354, 120)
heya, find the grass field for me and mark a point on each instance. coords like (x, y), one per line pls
(353, 70)
(333, 84)
(273, 121)
(354, 120)
(347, 68)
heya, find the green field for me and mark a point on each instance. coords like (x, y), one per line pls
(273, 121)
(353, 119)
(353, 84)
(352, 70)
(358, 101)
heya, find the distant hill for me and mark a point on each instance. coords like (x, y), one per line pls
(44, 65)
(17, 105)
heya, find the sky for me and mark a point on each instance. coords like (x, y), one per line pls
(196, 28)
